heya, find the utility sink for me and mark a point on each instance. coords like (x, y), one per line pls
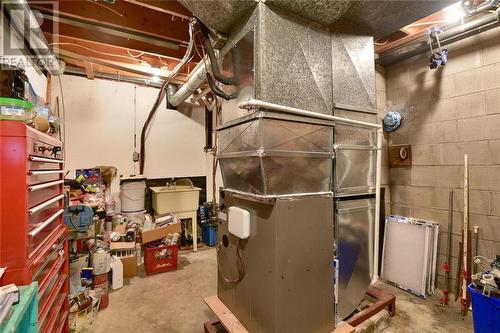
(175, 199)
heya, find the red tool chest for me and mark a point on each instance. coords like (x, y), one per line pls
(33, 238)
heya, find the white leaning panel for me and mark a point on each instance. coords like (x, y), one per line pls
(409, 254)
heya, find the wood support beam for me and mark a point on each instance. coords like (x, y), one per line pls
(106, 39)
(89, 70)
(121, 15)
(135, 69)
(173, 8)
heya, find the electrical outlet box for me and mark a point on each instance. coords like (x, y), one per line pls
(135, 156)
(239, 222)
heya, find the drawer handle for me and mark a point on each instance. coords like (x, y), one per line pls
(45, 204)
(45, 224)
(44, 172)
(44, 159)
(44, 185)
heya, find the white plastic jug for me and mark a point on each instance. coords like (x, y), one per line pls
(100, 261)
(116, 278)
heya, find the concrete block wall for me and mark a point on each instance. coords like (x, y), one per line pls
(449, 112)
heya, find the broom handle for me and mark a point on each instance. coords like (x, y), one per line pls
(466, 228)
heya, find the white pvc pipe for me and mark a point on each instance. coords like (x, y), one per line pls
(254, 103)
(376, 234)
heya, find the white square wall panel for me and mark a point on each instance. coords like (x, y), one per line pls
(239, 222)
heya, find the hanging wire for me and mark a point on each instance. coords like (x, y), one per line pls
(98, 52)
(110, 9)
(162, 93)
(63, 113)
(135, 56)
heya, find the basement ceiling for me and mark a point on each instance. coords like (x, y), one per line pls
(128, 37)
(146, 39)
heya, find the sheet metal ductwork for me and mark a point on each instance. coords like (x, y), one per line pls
(381, 17)
(307, 182)
(274, 163)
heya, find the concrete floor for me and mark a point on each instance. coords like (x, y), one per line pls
(173, 302)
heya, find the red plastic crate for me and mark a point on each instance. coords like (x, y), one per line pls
(160, 258)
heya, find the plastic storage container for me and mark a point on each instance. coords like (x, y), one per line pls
(132, 194)
(159, 259)
(116, 273)
(15, 109)
(175, 199)
(209, 234)
(485, 311)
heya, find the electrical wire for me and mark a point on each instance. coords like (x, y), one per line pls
(239, 265)
(162, 93)
(98, 52)
(136, 56)
(63, 122)
(110, 9)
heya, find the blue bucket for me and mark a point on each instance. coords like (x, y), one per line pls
(485, 311)
(209, 234)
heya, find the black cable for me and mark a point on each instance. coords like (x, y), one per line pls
(239, 265)
(161, 95)
(235, 80)
(218, 91)
(159, 99)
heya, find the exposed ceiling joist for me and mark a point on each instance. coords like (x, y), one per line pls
(109, 52)
(121, 15)
(173, 8)
(106, 39)
(89, 70)
(114, 31)
(137, 69)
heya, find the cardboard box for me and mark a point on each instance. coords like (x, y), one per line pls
(121, 229)
(160, 233)
(129, 266)
(122, 246)
(126, 251)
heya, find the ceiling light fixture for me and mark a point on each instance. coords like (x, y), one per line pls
(453, 13)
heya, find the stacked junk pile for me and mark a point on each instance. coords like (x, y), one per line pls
(299, 152)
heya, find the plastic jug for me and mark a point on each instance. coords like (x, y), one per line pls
(116, 278)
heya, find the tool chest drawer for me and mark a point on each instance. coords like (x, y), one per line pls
(39, 194)
(33, 240)
(38, 236)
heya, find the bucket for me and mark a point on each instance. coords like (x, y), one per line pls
(485, 311)
(132, 195)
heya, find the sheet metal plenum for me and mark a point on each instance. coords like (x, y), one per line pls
(300, 64)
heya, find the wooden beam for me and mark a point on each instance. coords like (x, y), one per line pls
(48, 93)
(233, 325)
(173, 8)
(227, 318)
(89, 70)
(108, 52)
(136, 69)
(106, 39)
(121, 15)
